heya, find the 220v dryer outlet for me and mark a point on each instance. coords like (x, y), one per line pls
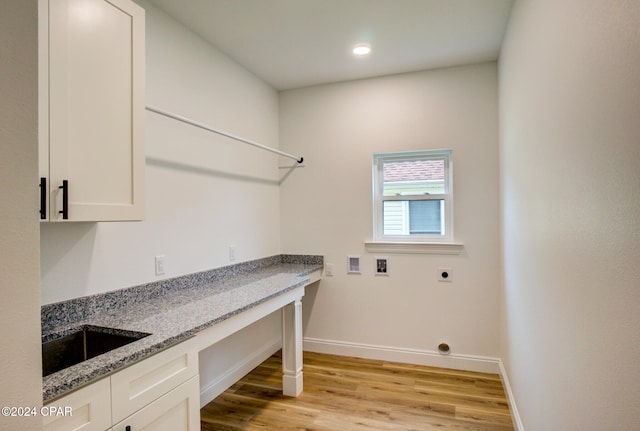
(445, 274)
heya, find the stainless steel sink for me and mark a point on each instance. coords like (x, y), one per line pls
(85, 343)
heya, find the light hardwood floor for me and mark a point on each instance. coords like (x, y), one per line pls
(344, 394)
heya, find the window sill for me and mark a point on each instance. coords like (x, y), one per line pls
(413, 247)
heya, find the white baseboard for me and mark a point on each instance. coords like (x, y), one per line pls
(398, 354)
(231, 376)
(515, 415)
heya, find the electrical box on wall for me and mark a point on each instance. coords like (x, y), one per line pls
(353, 264)
(382, 266)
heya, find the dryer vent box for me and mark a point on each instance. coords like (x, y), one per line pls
(353, 264)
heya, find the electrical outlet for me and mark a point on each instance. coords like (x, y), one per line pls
(445, 274)
(160, 265)
(232, 253)
(328, 269)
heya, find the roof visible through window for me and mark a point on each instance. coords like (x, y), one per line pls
(417, 170)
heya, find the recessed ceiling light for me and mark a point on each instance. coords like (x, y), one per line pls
(361, 49)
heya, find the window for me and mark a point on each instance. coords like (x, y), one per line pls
(412, 196)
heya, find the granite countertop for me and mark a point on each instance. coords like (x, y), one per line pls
(171, 311)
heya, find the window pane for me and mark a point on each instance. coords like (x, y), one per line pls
(425, 217)
(413, 217)
(395, 217)
(413, 177)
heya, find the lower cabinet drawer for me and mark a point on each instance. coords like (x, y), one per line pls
(90, 409)
(138, 385)
(179, 410)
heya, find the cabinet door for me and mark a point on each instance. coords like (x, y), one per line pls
(178, 410)
(87, 409)
(96, 108)
(140, 384)
(43, 106)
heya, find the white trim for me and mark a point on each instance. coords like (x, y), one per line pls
(231, 376)
(413, 247)
(378, 197)
(480, 364)
(515, 415)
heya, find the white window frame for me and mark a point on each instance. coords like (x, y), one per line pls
(378, 199)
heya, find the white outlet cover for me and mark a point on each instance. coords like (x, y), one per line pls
(160, 269)
(328, 269)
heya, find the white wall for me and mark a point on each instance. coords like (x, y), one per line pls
(326, 209)
(570, 175)
(203, 192)
(20, 364)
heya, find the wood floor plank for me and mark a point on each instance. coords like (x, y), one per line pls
(353, 394)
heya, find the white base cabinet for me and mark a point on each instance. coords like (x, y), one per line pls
(87, 409)
(179, 410)
(140, 384)
(160, 393)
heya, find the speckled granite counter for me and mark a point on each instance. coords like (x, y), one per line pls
(170, 310)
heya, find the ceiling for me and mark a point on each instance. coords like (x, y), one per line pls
(299, 43)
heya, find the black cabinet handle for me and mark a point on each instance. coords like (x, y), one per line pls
(43, 198)
(65, 199)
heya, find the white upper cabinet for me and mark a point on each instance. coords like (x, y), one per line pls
(91, 110)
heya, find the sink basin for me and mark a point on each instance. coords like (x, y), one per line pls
(85, 343)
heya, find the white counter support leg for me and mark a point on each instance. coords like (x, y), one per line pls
(292, 348)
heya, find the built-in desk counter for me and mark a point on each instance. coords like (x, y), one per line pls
(208, 306)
